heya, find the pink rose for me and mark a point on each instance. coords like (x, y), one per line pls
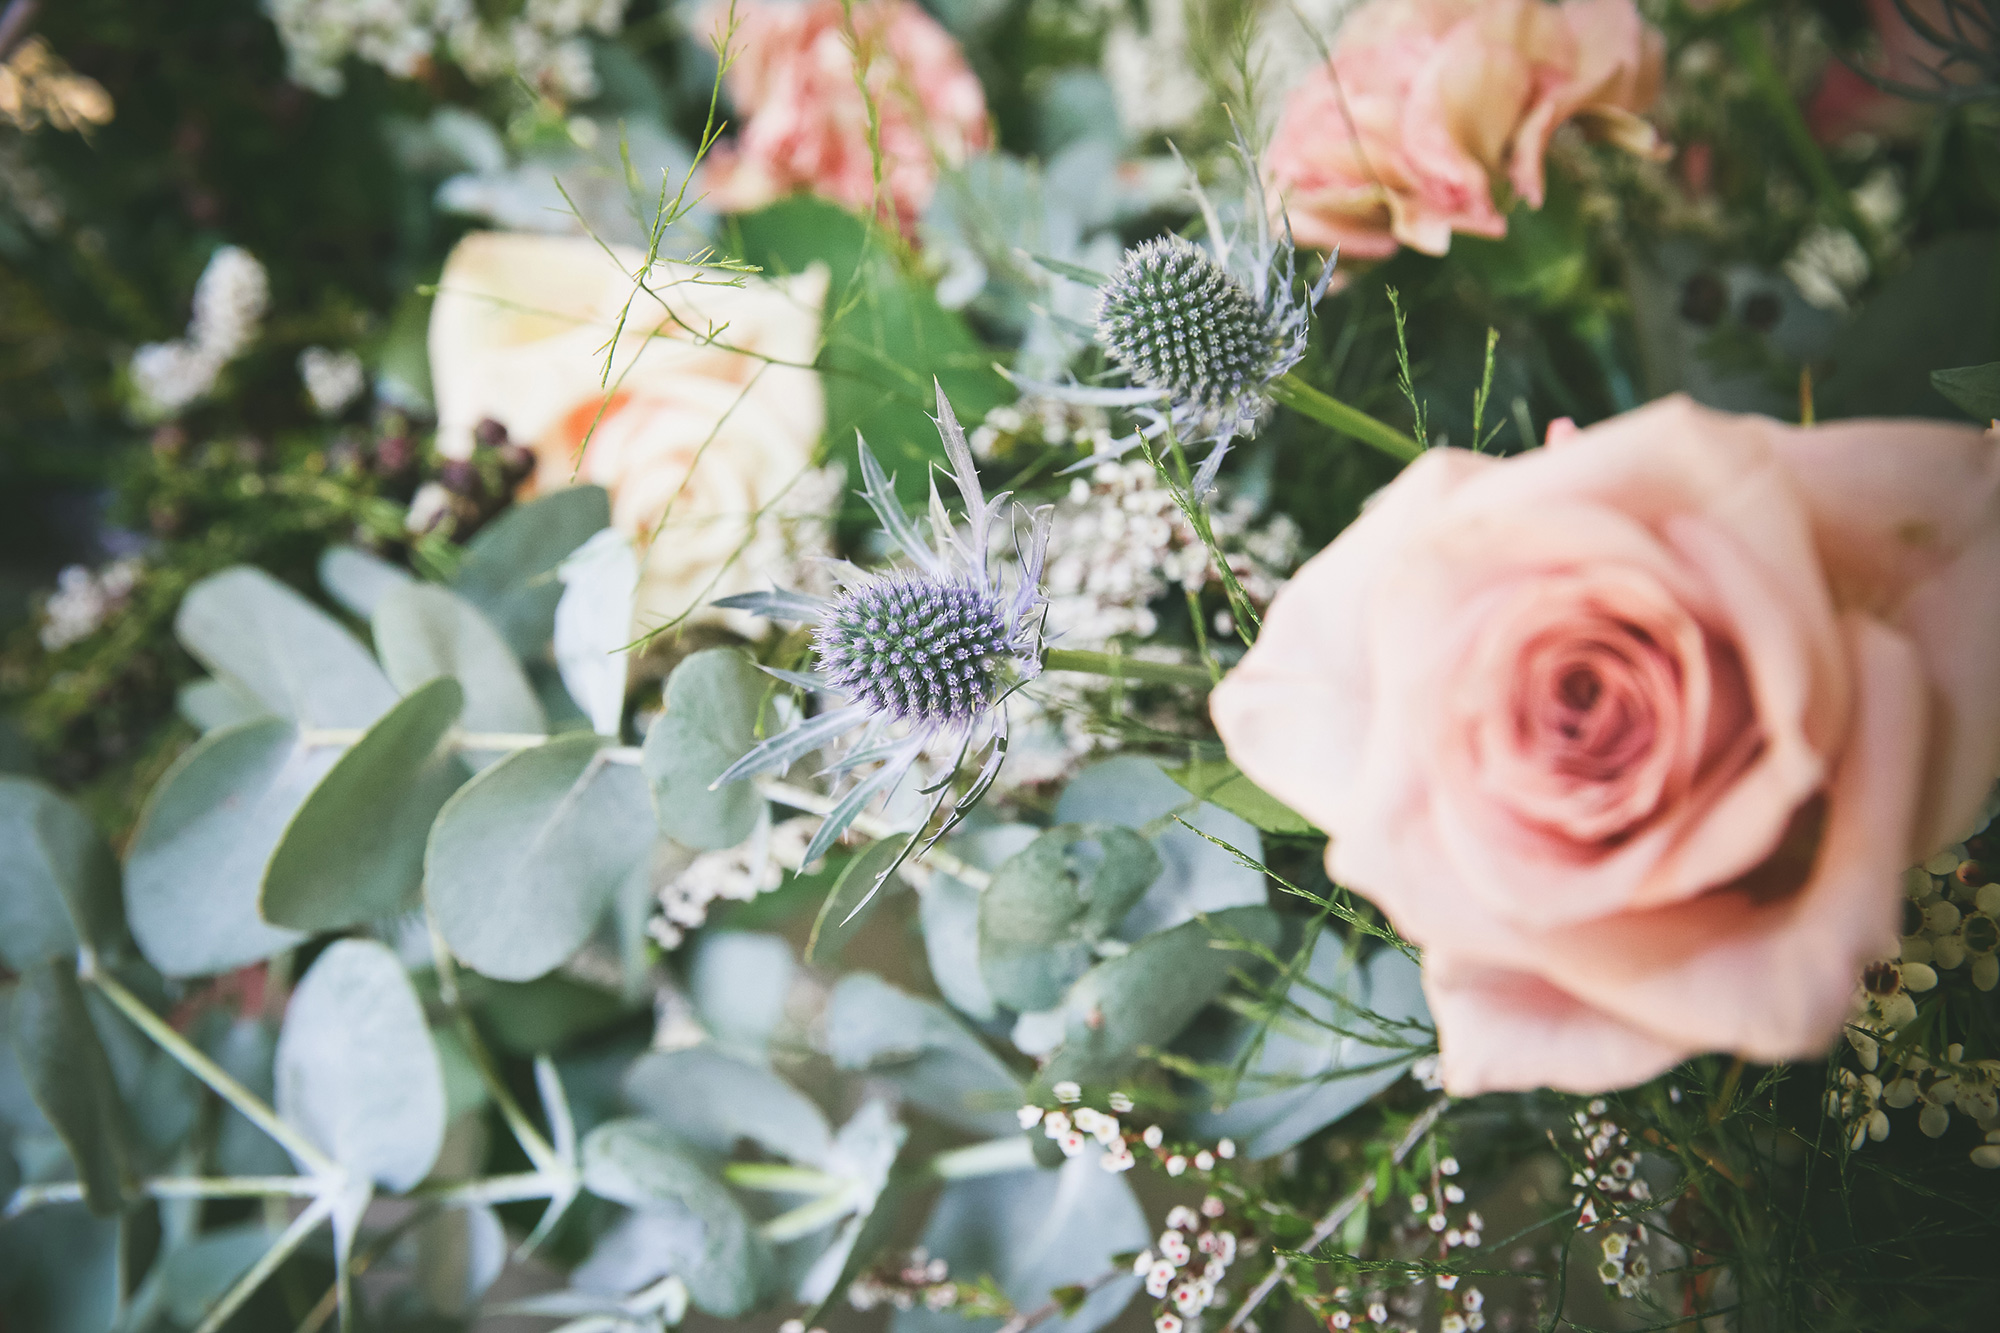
(1425, 104)
(1635, 733)
(806, 118)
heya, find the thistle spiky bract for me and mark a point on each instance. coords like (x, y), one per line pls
(923, 655)
(1202, 331)
(1178, 321)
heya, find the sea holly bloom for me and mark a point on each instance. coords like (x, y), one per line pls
(1201, 331)
(924, 655)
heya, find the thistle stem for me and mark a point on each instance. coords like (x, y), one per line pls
(1301, 397)
(1126, 668)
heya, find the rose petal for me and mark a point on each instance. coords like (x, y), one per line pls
(1907, 518)
(1502, 1031)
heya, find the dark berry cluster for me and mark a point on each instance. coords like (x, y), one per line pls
(1178, 321)
(915, 649)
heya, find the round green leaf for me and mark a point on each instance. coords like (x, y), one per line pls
(1147, 996)
(354, 852)
(70, 1078)
(1052, 902)
(58, 881)
(709, 723)
(204, 838)
(919, 1047)
(423, 631)
(525, 859)
(717, 1253)
(296, 660)
(509, 567)
(356, 1070)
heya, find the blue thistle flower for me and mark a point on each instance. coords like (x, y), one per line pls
(921, 654)
(1200, 332)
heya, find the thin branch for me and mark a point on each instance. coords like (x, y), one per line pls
(249, 1103)
(1333, 1221)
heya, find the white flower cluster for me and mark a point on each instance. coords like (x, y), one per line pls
(333, 379)
(1073, 1130)
(229, 304)
(1171, 1276)
(1610, 1176)
(1828, 267)
(1862, 1102)
(736, 874)
(543, 44)
(84, 600)
(1119, 542)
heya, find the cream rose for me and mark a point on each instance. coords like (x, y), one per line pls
(1634, 734)
(706, 435)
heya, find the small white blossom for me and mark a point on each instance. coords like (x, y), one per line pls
(333, 379)
(84, 600)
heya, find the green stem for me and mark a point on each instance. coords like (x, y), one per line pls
(1125, 668)
(173, 1187)
(1748, 39)
(249, 1103)
(302, 1226)
(1302, 398)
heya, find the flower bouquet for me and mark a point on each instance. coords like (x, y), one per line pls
(830, 664)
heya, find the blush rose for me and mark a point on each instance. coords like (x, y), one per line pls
(1425, 105)
(1634, 734)
(807, 117)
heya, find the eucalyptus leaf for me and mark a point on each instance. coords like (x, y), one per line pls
(739, 981)
(949, 915)
(459, 1254)
(212, 704)
(708, 724)
(59, 1271)
(1146, 997)
(1196, 876)
(354, 851)
(593, 626)
(1317, 1061)
(356, 1070)
(207, 831)
(58, 880)
(1222, 783)
(526, 858)
(71, 1080)
(856, 894)
(509, 570)
(1052, 902)
(296, 660)
(423, 631)
(1036, 1232)
(1973, 389)
(709, 1099)
(359, 581)
(917, 1046)
(194, 1276)
(716, 1252)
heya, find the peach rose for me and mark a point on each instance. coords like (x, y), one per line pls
(1426, 104)
(703, 442)
(806, 118)
(1635, 734)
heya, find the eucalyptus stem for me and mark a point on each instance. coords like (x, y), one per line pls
(1302, 398)
(172, 1187)
(191, 1058)
(1120, 667)
(294, 1235)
